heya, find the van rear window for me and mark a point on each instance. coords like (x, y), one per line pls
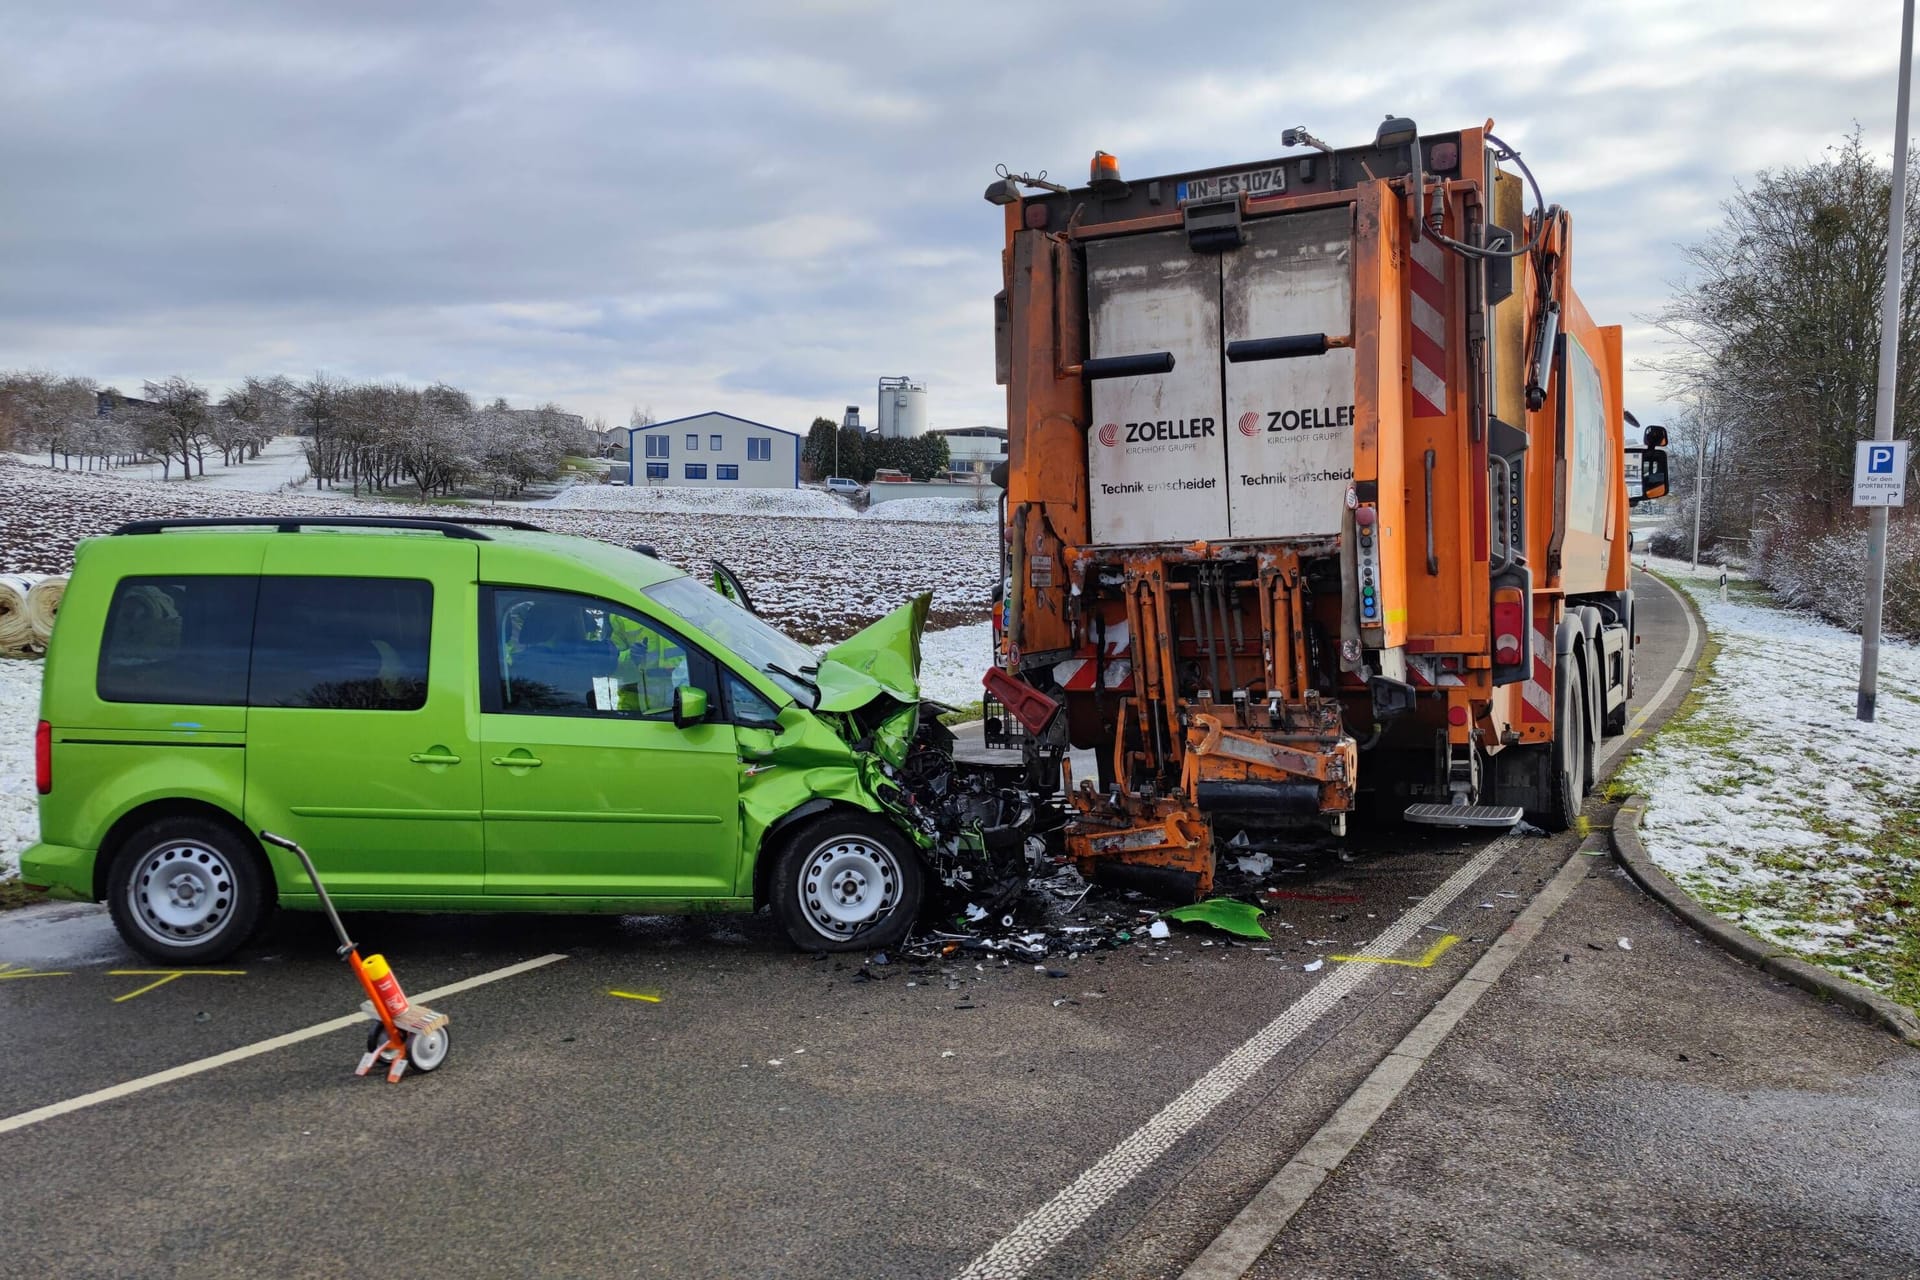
(356, 644)
(182, 640)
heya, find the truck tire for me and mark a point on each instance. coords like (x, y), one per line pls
(1616, 721)
(846, 881)
(1566, 753)
(1591, 727)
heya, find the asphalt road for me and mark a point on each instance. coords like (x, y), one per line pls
(772, 1114)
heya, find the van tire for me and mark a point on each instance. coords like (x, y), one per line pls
(187, 889)
(835, 866)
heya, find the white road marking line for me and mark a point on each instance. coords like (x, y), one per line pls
(181, 1072)
(1054, 1221)
(1268, 1213)
(1045, 1228)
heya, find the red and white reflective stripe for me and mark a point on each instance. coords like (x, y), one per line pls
(1427, 674)
(1075, 675)
(1537, 693)
(1428, 309)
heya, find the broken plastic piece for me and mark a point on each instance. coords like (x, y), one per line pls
(1310, 968)
(1625, 945)
(1227, 914)
(1255, 864)
(1159, 929)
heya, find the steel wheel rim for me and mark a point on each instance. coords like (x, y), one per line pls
(181, 892)
(427, 1051)
(848, 885)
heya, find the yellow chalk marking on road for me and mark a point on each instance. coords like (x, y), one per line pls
(167, 975)
(649, 997)
(21, 971)
(1434, 952)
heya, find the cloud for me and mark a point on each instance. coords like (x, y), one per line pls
(761, 207)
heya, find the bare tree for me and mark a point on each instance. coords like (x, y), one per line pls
(179, 418)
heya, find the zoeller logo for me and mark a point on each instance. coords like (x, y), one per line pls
(1249, 425)
(1150, 432)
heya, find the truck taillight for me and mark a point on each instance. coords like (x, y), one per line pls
(1509, 625)
(43, 758)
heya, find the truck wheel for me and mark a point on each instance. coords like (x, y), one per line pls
(1566, 754)
(1590, 731)
(186, 890)
(1616, 723)
(846, 882)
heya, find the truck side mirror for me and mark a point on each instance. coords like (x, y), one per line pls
(1653, 475)
(689, 706)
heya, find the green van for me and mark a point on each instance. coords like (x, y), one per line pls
(470, 716)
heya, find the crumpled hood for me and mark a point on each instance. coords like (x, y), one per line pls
(883, 659)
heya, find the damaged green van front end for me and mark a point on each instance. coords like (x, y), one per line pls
(870, 741)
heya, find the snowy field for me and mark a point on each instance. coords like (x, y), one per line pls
(1772, 805)
(937, 510)
(805, 504)
(19, 711)
(281, 465)
(820, 579)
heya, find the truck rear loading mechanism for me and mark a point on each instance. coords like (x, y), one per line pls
(1315, 501)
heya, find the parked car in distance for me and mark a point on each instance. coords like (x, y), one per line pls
(891, 475)
(843, 484)
(464, 716)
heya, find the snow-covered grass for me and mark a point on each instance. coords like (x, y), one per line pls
(937, 510)
(953, 660)
(282, 464)
(818, 579)
(19, 712)
(1774, 806)
(814, 504)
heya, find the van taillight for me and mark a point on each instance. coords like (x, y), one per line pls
(1509, 625)
(43, 758)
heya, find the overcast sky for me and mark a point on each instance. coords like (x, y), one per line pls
(760, 208)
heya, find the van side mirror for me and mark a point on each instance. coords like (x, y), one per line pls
(689, 706)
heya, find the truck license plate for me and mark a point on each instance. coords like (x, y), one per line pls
(1254, 183)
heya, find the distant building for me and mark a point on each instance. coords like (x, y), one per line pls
(716, 451)
(973, 451)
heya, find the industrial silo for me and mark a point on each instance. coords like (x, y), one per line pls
(903, 409)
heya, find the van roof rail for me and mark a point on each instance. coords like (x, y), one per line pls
(293, 524)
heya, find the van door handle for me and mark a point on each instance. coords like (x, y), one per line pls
(518, 762)
(434, 757)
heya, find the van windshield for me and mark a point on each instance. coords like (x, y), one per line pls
(789, 663)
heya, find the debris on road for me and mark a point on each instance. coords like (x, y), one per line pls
(1625, 945)
(1229, 915)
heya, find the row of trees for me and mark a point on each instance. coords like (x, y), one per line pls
(860, 455)
(1777, 333)
(368, 436)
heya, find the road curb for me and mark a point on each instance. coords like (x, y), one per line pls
(1766, 956)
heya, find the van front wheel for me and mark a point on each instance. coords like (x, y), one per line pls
(186, 889)
(846, 882)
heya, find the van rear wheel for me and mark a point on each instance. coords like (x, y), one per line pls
(186, 889)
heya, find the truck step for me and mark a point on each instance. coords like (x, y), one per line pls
(1463, 815)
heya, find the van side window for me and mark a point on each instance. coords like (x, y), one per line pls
(554, 653)
(347, 644)
(182, 640)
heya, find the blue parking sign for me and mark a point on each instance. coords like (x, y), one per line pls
(1880, 473)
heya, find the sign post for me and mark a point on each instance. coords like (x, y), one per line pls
(1883, 455)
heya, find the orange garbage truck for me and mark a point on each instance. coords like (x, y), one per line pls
(1315, 503)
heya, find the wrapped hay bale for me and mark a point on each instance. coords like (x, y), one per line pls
(43, 605)
(16, 630)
